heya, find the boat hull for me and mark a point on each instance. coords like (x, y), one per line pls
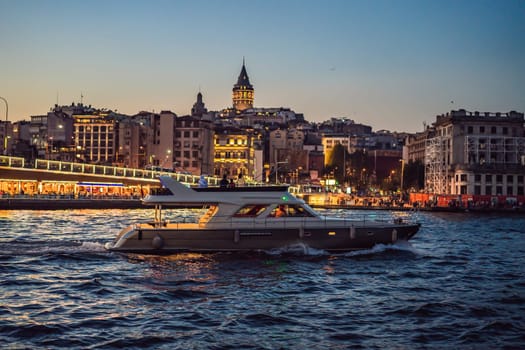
(335, 239)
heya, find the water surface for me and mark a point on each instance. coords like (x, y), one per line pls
(460, 283)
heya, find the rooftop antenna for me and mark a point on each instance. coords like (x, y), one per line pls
(81, 97)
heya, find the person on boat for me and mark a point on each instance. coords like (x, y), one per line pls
(231, 184)
(280, 211)
(224, 182)
(240, 180)
(203, 183)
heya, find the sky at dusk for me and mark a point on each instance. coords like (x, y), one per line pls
(389, 64)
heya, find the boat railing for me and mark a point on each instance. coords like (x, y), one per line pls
(286, 223)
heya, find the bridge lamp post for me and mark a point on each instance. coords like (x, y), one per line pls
(6, 119)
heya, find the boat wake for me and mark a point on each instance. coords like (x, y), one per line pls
(300, 249)
(52, 247)
(400, 246)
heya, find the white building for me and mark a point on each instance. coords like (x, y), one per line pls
(477, 154)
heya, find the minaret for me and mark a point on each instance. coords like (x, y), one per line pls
(198, 107)
(243, 92)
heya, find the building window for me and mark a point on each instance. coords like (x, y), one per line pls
(477, 178)
(520, 190)
(470, 130)
(186, 134)
(477, 190)
(488, 190)
(493, 129)
(481, 129)
(186, 154)
(509, 190)
(499, 179)
(520, 179)
(464, 177)
(499, 190)
(510, 179)
(505, 130)
(195, 134)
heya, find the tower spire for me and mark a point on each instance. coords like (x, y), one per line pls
(243, 92)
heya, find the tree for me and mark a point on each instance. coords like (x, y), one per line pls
(414, 175)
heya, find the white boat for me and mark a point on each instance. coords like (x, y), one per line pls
(249, 219)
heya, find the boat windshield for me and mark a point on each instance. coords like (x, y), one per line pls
(250, 210)
(289, 210)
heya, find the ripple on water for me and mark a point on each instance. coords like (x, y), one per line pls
(458, 284)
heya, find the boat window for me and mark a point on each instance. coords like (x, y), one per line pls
(250, 210)
(297, 210)
(162, 191)
(289, 210)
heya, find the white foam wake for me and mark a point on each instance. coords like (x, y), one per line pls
(83, 247)
(297, 249)
(381, 248)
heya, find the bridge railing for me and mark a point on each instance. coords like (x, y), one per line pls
(12, 162)
(105, 170)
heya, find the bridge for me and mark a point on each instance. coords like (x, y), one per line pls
(16, 168)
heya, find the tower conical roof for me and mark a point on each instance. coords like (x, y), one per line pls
(243, 79)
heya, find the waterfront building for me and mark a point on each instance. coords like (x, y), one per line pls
(160, 140)
(132, 141)
(277, 146)
(344, 126)
(94, 137)
(193, 145)
(269, 116)
(315, 155)
(415, 145)
(473, 153)
(51, 133)
(329, 141)
(287, 153)
(22, 141)
(234, 151)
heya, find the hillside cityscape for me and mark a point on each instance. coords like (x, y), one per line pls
(462, 153)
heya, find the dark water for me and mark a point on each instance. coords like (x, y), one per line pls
(460, 283)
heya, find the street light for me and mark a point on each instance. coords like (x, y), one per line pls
(402, 174)
(6, 115)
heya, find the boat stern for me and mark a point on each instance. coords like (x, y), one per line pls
(122, 237)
